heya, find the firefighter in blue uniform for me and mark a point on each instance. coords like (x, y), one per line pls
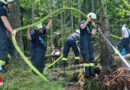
(4, 39)
(38, 46)
(71, 41)
(86, 49)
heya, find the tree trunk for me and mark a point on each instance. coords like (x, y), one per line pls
(70, 17)
(79, 7)
(33, 12)
(92, 5)
(51, 10)
(61, 24)
(86, 6)
(105, 49)
(71, 14)
(15, 20)
(52, 45)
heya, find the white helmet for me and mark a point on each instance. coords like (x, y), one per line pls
(10, 1)
(92, 15)
(6, 1)
(77, 31)
(125, 25)
(39, 26)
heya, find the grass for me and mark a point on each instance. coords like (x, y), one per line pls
(23, 79)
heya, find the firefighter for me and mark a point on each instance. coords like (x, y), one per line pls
(71, 41)
(38, 46)
(4, 39)
(86, 48)
(125, 38)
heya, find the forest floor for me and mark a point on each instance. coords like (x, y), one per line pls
(70, 79)
(23, 79)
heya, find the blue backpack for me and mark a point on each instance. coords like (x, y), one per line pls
(123, 51)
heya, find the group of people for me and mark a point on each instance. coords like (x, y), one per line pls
(84, 47)
(80, 41)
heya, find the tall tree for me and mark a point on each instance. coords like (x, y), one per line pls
(92, 5)
(79, 7)
(15, 20)
(105, 49)
(61, 23)
(33, 12)
(51, 10)
(86, 6)
(71, 14)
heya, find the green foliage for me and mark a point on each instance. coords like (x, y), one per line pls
(116, 9)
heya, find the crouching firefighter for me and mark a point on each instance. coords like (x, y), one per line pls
(4, 25)
(38, 46)
(71, 41)
(86, 48)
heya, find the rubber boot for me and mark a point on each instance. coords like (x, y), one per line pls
(86, 72)
(63, 63)
(92, 71)
(76, 62)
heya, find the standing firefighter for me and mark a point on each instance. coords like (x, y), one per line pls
(71, 42)
(38, 46)
(124, 42)
(4, 39)
(85, 44)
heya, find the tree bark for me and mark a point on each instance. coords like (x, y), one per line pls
(105, 49)
(92, 5)
(61, 24)
(70, 17)
(51, 9)
(79, 7)
(72, 24)
(15, 20)
(86, 6)
(33, 12)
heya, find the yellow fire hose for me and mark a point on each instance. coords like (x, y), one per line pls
(115, 36)
(53, 63)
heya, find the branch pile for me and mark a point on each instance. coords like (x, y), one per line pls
(118, 80)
